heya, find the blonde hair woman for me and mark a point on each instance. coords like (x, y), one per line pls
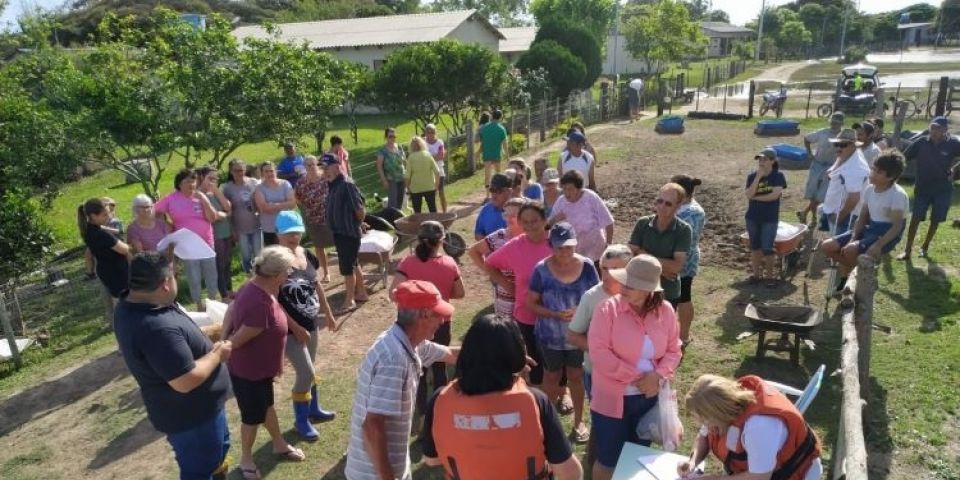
(256, 325)
(753, 429)
(422, 176)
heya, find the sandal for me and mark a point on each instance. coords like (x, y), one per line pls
(581, 435)
(293, 454)
(250, 473)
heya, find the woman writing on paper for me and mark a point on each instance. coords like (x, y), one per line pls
(753, 429)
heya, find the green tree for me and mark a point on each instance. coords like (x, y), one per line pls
(503, 13)
(596, 15)
(578, 40)
(565, 71)
(814, 17)
(663, 33)
(25, 238)
(949, 16)
(794, 38)
(697, 9)
(717, 16)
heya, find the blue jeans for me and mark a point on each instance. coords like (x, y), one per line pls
(250, 244)
(588, 383)
(201, 450)
(611, 433)
(205, 269)
(762, 235)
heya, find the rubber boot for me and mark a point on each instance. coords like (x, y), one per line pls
(317, 414)
(301, 410)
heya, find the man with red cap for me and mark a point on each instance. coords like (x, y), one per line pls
(387, 383)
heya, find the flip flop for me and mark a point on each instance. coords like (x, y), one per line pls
(250, 473)
(580, 436)
(293, 454)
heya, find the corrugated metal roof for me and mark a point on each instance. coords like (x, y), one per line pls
(360, 32)
(518, 39)
(721, 27)
(904, 26)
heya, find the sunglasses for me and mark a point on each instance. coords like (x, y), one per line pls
(667, 203)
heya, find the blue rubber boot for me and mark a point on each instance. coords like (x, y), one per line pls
(301, 421)
(317, 414)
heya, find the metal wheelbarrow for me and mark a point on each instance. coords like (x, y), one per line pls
(796, 320)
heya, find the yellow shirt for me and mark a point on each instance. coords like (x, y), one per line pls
(422, 172)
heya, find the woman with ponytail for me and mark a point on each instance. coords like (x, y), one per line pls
(431, 264)
(112, 267)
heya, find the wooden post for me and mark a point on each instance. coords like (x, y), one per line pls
(471, 150)
(942, 96)
(926, 111)
(8, 332)
(725, 89)
(854, 461)
(809, 94)
(863, 316)
(543, 120)
(527, 125)
(604, 100)
(899, 114)
(707, 78)
(661, 92)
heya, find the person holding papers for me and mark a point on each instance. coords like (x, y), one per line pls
(753, 429)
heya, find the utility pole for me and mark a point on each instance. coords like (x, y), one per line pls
(763, 7)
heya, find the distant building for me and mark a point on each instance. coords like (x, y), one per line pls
(722, 36)
(916, 34)
(516, 42)
(370, 40)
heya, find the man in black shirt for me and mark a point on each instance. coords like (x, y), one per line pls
(345, 214)
(179, 371)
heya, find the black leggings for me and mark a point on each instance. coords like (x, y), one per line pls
(417, 200)
(439, 369)
(533, 350)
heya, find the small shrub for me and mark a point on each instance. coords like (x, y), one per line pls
(854, 54)
(456, 164)
(563, 127)
(518, 143)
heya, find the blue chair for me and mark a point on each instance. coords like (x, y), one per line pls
(806, 396)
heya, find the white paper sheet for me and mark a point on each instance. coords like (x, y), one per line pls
(662, 465)
(186, 245)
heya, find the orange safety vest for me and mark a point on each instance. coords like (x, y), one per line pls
(799, 451)
(494, 435)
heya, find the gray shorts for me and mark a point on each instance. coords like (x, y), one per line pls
(817, 182)
(554, 360)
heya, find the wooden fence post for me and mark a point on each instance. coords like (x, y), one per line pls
(661, 92)
(809, 94)
(604, 100)
(8, 332)
(750, 98)
(863, 316)
(543, 120)
(471, 157)
(527, 125)
(942, 96)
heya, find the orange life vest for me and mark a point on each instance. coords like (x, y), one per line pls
(799, 451)
(494, 435)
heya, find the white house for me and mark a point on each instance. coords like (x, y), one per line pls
(516, 42)
(370, 40)
(916, 34)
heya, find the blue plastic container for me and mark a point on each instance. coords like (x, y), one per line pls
(791, 157)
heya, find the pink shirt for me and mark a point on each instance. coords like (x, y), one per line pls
(589, 217)
(520, 255)
(186, 212)
(616, 343)
(441, 271)
(148, 238)
(262, 356)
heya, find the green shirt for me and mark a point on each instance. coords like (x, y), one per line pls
(676, 238)
(421, 171)
(492, 136)
(221, 228)
(392, 163)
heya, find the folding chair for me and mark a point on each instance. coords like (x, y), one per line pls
(806, 396)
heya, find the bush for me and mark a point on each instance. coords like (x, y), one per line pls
(456, 164)
(854, 54)
(518, 143)
(24, 234)
(564, 69)
(579, 40)
(563, 127)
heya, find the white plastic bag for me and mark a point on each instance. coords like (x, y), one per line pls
(648, 428)
(671, 429)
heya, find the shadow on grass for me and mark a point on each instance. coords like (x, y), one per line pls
(876, 426)
(46, 397)
(928, 294)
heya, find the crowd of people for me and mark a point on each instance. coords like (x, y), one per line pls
(581, 325)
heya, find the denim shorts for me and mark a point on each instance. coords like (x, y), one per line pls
(762, 235)
(938, 203)
(871, 233)
(611, 433)
(201, 450)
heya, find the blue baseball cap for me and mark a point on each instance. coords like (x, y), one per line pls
(939, 122)
(289, 221)
(329, 159)
(562, 235)
(575, 136)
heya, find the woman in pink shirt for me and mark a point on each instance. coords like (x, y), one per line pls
(430, 264)
(521, 254)
(588, 214)
(189, 208)
(634, 342)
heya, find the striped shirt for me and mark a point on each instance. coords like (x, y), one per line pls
(386, 385)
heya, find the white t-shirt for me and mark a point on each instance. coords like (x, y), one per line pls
(644, 364)
(580, 163)
(763, 437)
(434, 149)
(870, 153)
(849, 177)
(881, 204)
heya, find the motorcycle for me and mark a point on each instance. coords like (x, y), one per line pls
(773, 101)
